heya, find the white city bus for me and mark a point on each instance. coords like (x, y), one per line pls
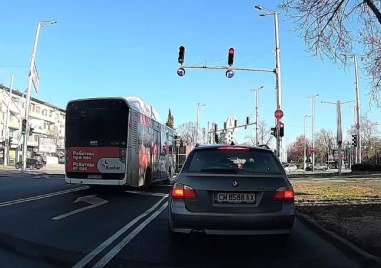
(116, 141)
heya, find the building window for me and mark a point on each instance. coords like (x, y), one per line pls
(38, 109)
(45, 125)
(32, 107)
(50, 113)
(15, 100)
(45, 112)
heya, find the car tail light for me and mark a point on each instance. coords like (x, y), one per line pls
(284, 195)
(180, 191)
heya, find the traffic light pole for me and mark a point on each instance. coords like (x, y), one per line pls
(277, 83)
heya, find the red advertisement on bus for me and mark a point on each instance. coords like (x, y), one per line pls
(95, 160)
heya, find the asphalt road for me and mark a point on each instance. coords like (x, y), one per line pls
(47, 223)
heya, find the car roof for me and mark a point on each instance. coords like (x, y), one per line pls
(216, 146)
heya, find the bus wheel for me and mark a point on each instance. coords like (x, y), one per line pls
(147, 179)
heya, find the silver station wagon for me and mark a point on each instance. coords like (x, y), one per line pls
(232, 190)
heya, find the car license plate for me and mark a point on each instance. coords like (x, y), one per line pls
(234, 198)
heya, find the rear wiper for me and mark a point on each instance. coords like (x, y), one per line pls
(222, 170)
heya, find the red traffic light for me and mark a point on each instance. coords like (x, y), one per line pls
(231, 56)
(281, 129)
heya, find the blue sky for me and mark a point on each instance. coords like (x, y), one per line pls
(130, 48)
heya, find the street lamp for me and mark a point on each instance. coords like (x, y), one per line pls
(198, 115)
(358, 126)
(305, 143)
(256, 113)
(312, 129)
(277, 71)
(30, 81)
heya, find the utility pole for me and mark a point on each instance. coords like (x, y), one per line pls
(358, 125)
(312, 129)
(256, 112)
(339, 135)
(305, 143)
(197, 122)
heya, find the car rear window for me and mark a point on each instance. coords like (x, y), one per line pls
(240, 161)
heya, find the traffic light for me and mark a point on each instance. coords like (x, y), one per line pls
(354, 140)
(23, 126)
(216, 140)
(273, 131)
(181, 54)
(215, 128)
(247, 120)
(225, 125)
(231, 56)
(281, 129)
(31, 131)
(10, 140)
(235, 123)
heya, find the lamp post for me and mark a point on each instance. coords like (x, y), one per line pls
(198, 116)
(256, 112)
(30, 81)
(312, 129)
(358, 126)
(278, 86)
(357, 110)
(305, 143)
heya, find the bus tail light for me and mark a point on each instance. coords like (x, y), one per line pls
(180, 191)
(122, 154)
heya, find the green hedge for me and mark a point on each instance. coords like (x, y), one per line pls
(366, 167)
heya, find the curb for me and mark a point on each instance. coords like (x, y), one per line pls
(363, 257)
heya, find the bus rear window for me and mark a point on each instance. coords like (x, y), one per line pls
(104, 122)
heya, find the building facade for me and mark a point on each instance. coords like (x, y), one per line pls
(47, 127)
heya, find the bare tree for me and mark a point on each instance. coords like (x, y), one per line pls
(264, 133)
(324, 142)
(335, 28)
(187, 132)
(295, 151)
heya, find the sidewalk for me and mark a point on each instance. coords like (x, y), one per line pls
(52, 169)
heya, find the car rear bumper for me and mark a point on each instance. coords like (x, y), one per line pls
(183, 221)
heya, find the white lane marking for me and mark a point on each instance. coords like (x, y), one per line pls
(115, 236)
(38, 197)
(94, 200)
(147, 193)
(115, 250)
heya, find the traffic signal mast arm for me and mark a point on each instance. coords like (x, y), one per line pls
(219, 130)
(229, 68)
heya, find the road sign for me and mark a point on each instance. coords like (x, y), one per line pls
(278, 114)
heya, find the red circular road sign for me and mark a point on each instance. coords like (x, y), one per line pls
(278, 114)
